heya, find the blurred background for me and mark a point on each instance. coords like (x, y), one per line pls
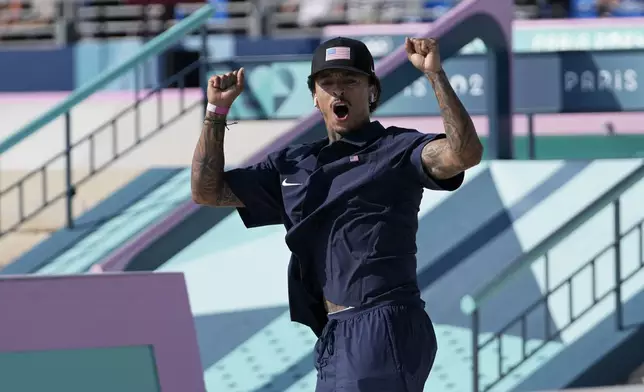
(532, 271)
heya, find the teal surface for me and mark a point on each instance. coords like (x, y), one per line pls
(627, 184)
(122, 228)
(454, 360)
(123, 369)
(270, 352)
(588, 241)
(228, 235)
(151, 49)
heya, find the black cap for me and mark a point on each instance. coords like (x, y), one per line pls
(342, 53)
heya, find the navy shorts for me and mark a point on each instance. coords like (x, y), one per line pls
(383, 348)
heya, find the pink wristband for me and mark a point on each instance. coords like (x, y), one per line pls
(217, 109)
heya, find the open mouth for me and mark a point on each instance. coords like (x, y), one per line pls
(341, 110)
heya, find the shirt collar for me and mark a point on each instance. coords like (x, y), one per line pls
(362, 136)
(358, 137)
(365, 134)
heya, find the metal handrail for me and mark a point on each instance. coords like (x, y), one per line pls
(471, 303)
(153, 48)
(118, 150)
(575, 313)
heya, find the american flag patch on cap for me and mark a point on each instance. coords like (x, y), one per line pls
(338, 53)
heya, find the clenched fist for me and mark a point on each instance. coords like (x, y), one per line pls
(423, 54)
(224, 89)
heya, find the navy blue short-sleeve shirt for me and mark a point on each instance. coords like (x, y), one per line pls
(350, 209)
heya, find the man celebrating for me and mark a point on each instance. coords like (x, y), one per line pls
(349, 203)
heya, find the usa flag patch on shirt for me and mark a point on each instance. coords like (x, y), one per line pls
(338, 53)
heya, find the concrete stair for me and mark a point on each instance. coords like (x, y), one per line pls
(53, 217)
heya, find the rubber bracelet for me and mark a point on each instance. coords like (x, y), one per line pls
(217, 109)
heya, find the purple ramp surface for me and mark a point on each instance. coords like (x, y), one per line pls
(499, 11)
(106, 310)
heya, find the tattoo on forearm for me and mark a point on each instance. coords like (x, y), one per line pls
(459, 127)
(462, 148)
(436, 160)
(207, 179)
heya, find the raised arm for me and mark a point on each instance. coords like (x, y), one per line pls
(207, 179)
(461, 149)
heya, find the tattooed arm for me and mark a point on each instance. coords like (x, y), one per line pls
(207, 180)
(461, 149)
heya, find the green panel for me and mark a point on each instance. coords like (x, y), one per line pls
(111, 369)
(586, 147)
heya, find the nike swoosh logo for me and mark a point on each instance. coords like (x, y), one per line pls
(286, 183)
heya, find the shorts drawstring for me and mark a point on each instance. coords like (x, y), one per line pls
(326, 343)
